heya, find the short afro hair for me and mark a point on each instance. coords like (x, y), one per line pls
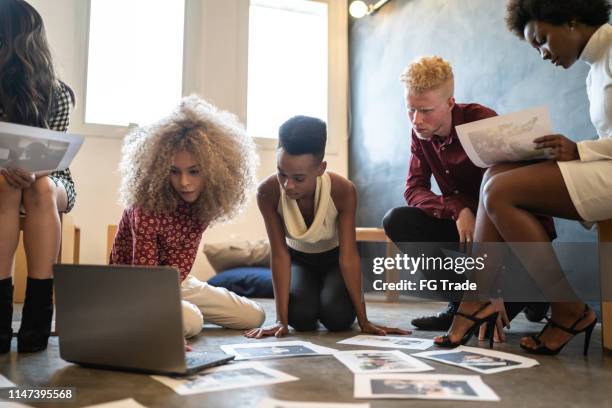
(555, 12)
(428, 73)
(303, 135)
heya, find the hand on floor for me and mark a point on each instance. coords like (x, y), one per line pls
(278, 330)
(370, 328)
(502, 321)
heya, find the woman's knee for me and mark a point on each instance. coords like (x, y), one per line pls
(495, 194)
(337, 322)
(41, 195)
(501, 186)
(337, 316)
(501, 168)
(302, 317)
(192, 319)
(242, 313)
(9, 196)
(252, 316)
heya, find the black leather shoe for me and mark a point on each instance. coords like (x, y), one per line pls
(535, 312)
(439, 322)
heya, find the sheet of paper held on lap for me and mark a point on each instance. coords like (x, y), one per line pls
(36, 150)
(481, 360)
(227, 377)
(275, 349)
(506, 138)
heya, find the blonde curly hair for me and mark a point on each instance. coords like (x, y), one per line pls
(428, 73)
(219, 144)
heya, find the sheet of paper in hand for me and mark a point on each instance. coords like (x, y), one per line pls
(507, 138)
(35, 149)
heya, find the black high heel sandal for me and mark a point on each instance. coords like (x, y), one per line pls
(542, 349)
(490, 320)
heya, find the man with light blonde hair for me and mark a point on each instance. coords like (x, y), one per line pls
(436, 150)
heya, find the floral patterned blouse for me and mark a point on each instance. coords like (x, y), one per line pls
(147, 238)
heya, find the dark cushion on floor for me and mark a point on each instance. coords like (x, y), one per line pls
(250, 281)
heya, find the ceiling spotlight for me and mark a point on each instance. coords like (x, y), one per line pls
(359, 8)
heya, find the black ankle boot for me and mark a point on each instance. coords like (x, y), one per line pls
(6, 314)
(36, 317)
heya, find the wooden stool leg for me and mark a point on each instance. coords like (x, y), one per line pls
(20, 272)
(605, 273)
(378, 235)
(392, 274)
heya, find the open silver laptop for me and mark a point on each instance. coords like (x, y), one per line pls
(124, 317)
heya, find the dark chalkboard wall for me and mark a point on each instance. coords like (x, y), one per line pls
(491, 67)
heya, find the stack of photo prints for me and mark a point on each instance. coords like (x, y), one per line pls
(389, 373)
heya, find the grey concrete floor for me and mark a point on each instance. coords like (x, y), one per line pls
(566, 380)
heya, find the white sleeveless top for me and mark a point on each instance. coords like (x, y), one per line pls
(322, 235)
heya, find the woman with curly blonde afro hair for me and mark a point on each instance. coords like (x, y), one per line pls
(182, 174)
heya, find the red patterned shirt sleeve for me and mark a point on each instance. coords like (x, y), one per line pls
(136, 239)
(121, 253)
(145, 250)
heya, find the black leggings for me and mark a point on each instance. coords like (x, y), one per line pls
(411, 229)
(318, 292)
(410, 224)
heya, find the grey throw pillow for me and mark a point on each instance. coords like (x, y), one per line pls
(224, 256)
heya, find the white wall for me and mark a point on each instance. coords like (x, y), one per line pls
(217, 71)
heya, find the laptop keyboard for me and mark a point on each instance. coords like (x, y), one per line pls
(196, 361)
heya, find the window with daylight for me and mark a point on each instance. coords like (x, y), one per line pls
(287, 63)
(135, 60)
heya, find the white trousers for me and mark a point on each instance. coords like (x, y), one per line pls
(205, 303)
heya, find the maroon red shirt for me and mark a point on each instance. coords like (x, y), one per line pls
(458, 178)
(146, 238)
(444, 158)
